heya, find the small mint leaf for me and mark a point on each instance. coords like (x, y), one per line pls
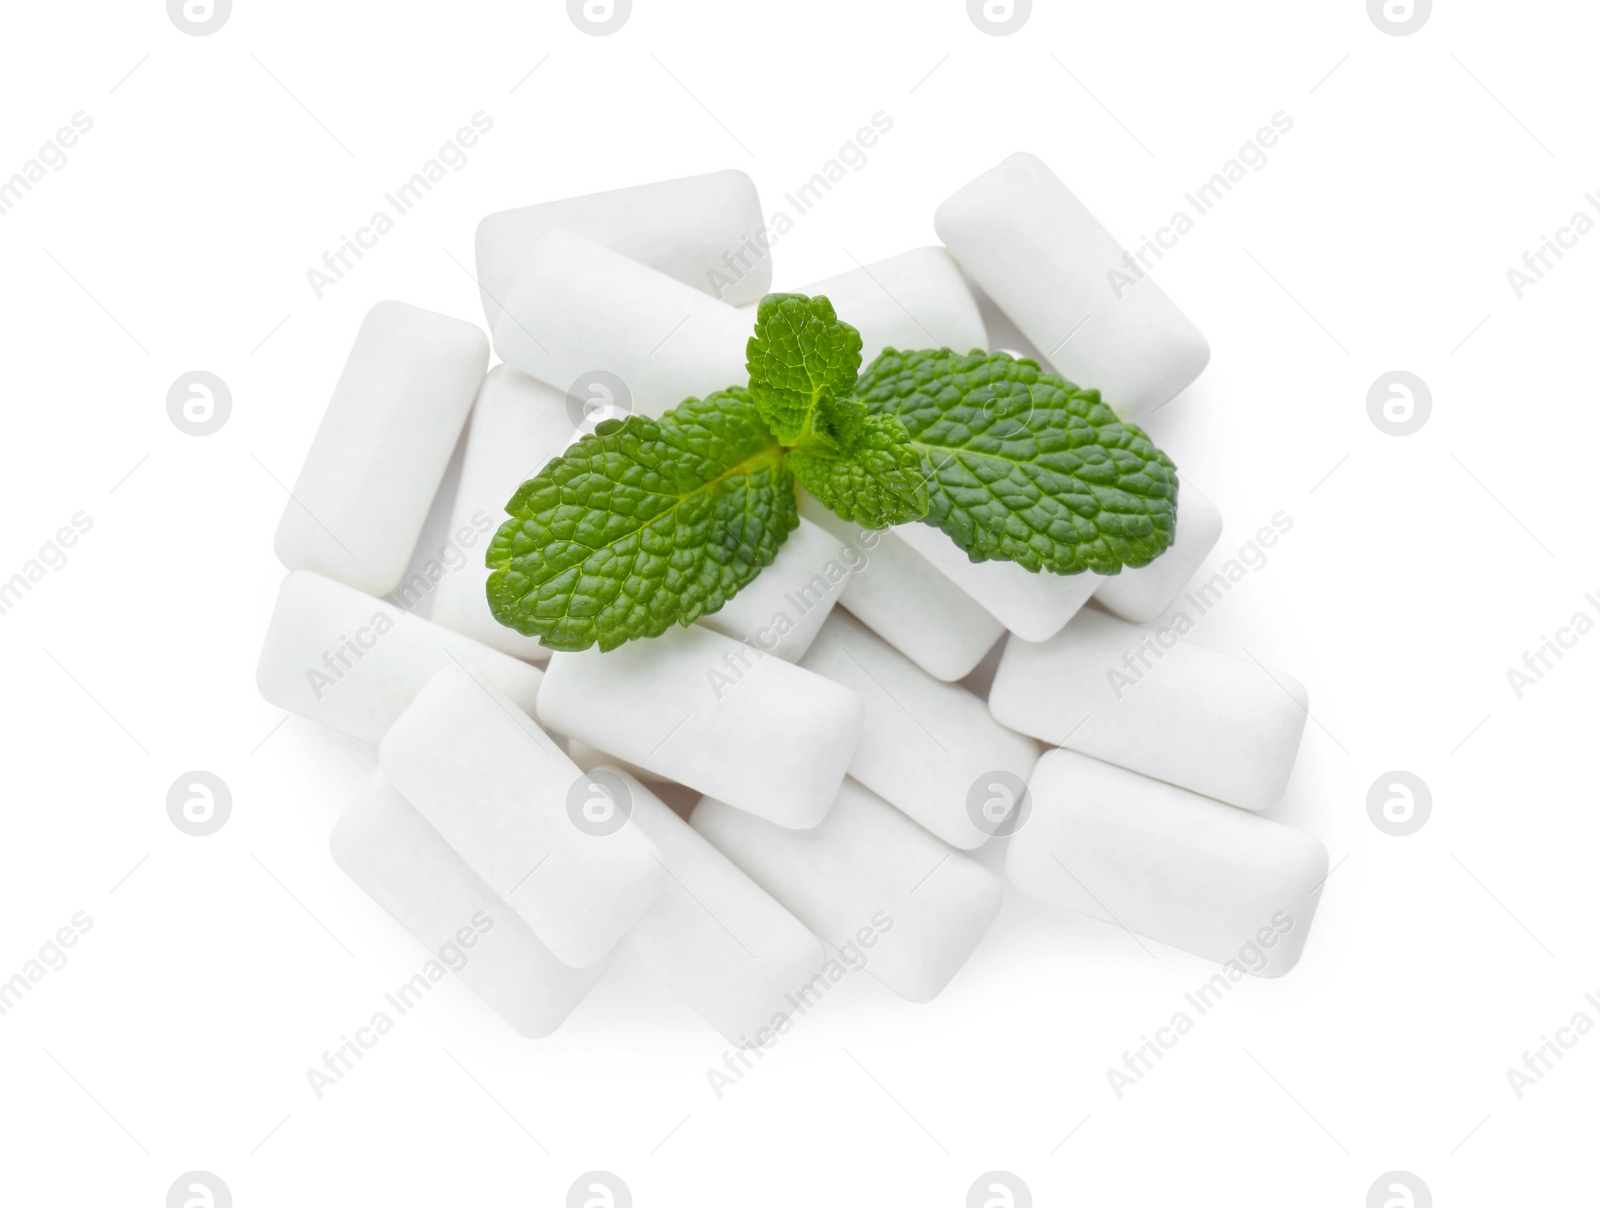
(835, 426)
(800, 357)
(1024, 466)
(878, 482)
(645, 524)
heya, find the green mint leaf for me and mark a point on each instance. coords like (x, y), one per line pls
(803, 363)
(1024, 466)
(879, 481)
(644, 524)
(800, 358)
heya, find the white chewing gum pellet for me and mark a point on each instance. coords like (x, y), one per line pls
(931, 749)
(914, 300)
(588, 758)
(714, 936)
(1004, 335)
(871, 879)
(520, 813)
(700, 230)
(517, 425)
(391, 852)
(376, 462)
(1031, 605)
(342, 658)
(579, 308)
(782, 610)
(1143, 594)
(713, 714)
(1158, 704)
(1062, 278)
(1165, 863)
(897, 593)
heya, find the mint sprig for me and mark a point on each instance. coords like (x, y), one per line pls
(1023, 466)
(649, 523)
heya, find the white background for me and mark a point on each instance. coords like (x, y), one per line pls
(1418, 570)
